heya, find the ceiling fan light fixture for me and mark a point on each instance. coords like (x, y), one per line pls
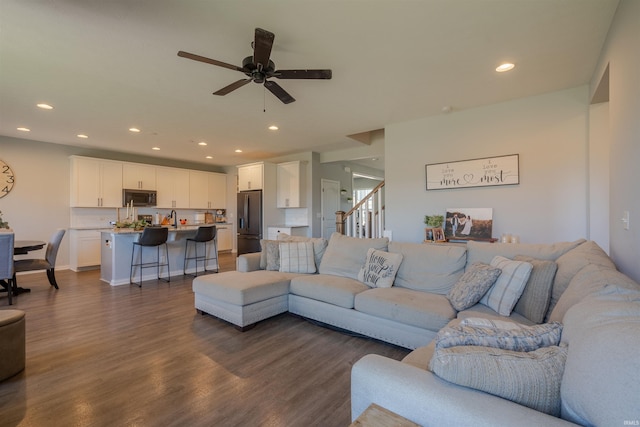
(507, 66)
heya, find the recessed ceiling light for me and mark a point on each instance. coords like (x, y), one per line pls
(81, 135)
(238, 151)
(202, 143)
(24, 129)
(135, 130)
(374, 159)
(45, 106)
(273, 127)
(507, 66)
(209, 157)
(156, 148)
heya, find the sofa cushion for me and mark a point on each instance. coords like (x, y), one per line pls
(506, 290)
(429, 267)
(571, 263)
(499, 334)
(534, 302)
(239, 288)
(472, 286)
(319, 244)
(297, 257)
(421, 309)
(481, 310)
(335, 290)
(529, 378)
(345, 255)
(600, 384)
(592, 278)
(380, 268)
(484, 252)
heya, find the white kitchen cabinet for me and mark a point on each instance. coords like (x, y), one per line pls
(290, 185)
(273, 231)
(225, 237)
(95, 183)
(138, 176)
(172, 185)
(84, 248)
(250, 177)
(207, 190)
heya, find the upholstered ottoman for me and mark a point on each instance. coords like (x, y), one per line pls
(243, 298)
(12, 344)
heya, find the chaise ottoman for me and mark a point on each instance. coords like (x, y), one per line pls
(12, 342)
(243, 298)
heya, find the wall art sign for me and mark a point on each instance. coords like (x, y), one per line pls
(485, 172)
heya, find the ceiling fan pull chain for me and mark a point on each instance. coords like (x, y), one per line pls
(264, 99)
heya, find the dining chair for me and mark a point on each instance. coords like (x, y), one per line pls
(6, 263)
(48, 263)
(150, 237)
(204, 235)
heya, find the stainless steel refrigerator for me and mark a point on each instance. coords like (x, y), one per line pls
(249, 221)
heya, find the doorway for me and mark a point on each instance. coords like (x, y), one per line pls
(330, 204)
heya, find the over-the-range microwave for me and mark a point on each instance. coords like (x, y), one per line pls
(140, 198)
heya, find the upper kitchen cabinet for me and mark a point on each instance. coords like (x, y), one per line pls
(290, 184)
(250, 177)
(207, 190)
(95, 183)
(138, 176)
(172, 185)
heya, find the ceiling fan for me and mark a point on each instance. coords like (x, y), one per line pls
(259, 68)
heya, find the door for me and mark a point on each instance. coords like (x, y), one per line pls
(330, 203)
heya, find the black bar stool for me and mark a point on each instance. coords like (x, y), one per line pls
(151, 237)
(204, 235)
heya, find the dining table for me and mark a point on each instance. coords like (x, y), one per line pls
(22, 247)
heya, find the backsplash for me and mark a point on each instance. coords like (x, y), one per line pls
(296, 216)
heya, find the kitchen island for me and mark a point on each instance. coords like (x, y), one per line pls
(117, 246)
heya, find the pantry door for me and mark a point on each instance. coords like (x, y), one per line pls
(330, 205)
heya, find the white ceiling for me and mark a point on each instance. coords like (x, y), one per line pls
(108, 65)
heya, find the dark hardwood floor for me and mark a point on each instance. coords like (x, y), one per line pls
(99, 355)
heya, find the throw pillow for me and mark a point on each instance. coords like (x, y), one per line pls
(499, 334)
(270, 255)
(297, 257)
(380, 268)
(530, 378)
(506, 291)
(473, 284)
(534, 302)
(319, 244)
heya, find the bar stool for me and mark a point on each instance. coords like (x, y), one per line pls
(204, 235)
(151, 237)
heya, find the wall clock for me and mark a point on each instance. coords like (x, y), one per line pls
(7, 179)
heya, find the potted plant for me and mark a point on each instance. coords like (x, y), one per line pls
(3, 224)
(434, 221)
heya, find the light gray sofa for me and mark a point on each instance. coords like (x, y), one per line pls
(411, 313)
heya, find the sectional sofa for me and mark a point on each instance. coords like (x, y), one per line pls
(408, 294)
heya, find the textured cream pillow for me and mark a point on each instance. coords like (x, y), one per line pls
(380, 268)
(529, 378)
(506, 291)
(297, 257)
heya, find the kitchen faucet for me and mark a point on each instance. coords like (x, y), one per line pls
(174, 215)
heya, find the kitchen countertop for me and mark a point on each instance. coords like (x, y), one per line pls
(287, 226)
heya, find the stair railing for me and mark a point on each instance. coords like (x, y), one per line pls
(366, 218)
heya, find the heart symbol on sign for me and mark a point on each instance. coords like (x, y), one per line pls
(468, 177)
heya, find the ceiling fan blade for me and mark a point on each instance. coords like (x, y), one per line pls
(262, 47)
(208, 61)
(303, 74)
(280, 93)
(233, 86)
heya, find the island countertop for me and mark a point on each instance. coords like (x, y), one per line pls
(117, 249)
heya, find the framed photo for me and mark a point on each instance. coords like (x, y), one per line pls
(438, 235)
(485, 172)
(468, 223)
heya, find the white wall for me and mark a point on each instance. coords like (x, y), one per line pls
(622, 54)
(549, 132)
